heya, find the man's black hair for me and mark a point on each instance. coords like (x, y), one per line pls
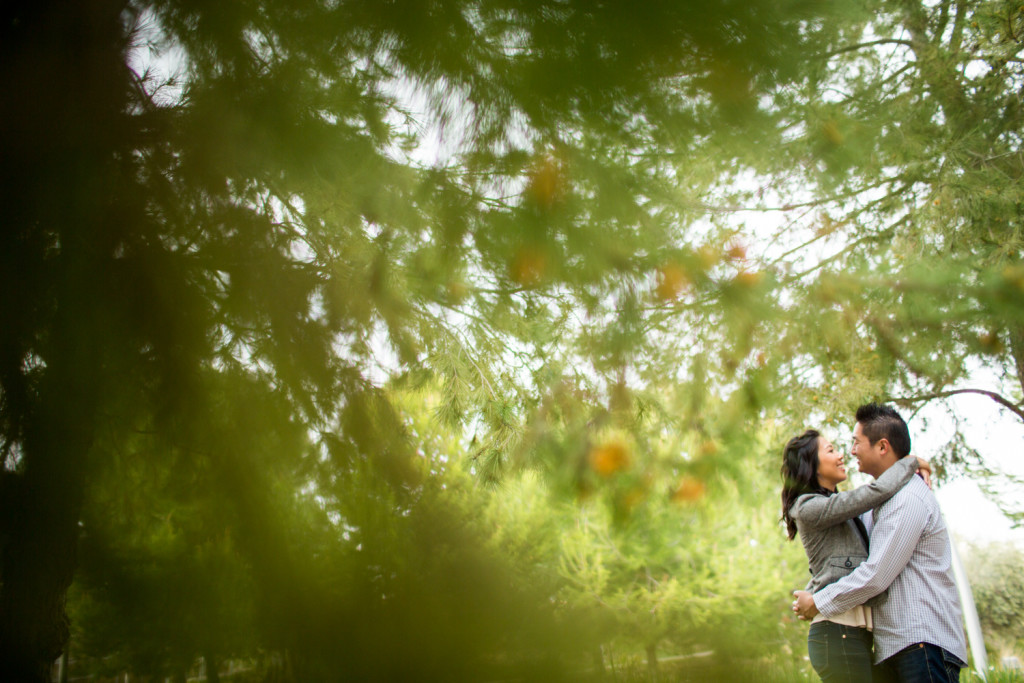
(883, 422)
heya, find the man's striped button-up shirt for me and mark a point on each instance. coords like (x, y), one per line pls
(910, 554)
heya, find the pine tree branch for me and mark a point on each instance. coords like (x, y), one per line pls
(847, 249)
(859, 46)
(799, 205)
(958, 27)
(938, 73)
(893, 79)
(940, 25)
(1015, 408)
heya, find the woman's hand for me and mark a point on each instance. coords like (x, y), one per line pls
(804, 606)
(924, 468)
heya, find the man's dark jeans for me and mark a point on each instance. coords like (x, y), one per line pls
(920, 663)
(840, 654)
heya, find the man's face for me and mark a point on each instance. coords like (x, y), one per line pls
(869, 458)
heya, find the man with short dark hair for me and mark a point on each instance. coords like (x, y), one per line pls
(918, 632)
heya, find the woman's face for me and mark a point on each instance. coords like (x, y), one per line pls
(830, 465)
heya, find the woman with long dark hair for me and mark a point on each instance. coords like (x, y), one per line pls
(836, 542)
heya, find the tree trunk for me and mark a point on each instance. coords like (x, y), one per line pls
(1017, 351)
(65, 662)
(40, 553)
(652, 659)
(598, 660)
(39, 559)
(64, 65)
(210, 664)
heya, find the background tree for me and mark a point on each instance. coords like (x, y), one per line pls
(264, 231)
(695, 570)
(898, 241)
(994, 572)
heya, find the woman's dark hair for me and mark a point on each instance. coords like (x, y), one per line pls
(799, 474)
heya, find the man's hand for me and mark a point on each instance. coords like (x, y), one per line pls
(804, 605)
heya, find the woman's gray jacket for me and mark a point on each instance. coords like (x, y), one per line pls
(833, 543)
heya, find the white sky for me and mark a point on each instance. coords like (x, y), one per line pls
(971, 516)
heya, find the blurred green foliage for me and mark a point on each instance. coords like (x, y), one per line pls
(900, 179)
(994, 572)
(427, 339)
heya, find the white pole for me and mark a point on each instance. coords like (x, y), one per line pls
(973, 626)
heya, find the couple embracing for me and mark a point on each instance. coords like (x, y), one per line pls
(882, 601)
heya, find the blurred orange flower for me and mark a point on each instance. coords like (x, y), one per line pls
(690, 490)
(609, 458)
(748, 279)
(737, 252)
(672, 278)
(547, 182)
(528, 266)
